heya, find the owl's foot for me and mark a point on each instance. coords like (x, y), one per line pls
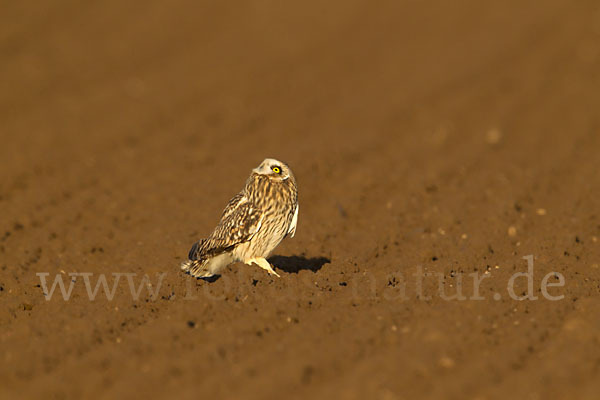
(264, 264)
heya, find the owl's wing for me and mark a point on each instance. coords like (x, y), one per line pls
(233, 204)
(292, 229)
(239, 223)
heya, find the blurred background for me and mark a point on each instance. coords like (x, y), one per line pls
(420, 132)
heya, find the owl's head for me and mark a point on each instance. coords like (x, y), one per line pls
(273, 169)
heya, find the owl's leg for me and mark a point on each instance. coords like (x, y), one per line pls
(264, 264)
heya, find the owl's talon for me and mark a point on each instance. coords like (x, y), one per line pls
(272, 272)
(264, 264)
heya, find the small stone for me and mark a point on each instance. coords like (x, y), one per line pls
(493, 136)
(512, 231)
(446, 362)
(574, 325)
(541, 211)
(27, 307)
(394, 328)
(464, 236)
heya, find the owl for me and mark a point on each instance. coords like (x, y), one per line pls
(253, 223)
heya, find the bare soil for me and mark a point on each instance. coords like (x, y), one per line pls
(432, 142)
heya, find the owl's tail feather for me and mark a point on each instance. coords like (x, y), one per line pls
(197, 268)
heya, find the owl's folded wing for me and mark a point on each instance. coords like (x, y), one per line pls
(239, 224)
(292, 229)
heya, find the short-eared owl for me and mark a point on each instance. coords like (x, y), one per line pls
(253, 223)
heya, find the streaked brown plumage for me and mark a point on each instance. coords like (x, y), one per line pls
(253, 223)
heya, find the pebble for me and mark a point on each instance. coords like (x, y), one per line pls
(512, 231)
(493, 136)
(446, 362)
(541, 211)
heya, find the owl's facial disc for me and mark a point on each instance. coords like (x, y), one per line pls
(273, 169)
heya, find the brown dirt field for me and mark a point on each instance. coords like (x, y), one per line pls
(419, 133)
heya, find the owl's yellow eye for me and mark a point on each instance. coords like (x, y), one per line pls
(277, 170)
